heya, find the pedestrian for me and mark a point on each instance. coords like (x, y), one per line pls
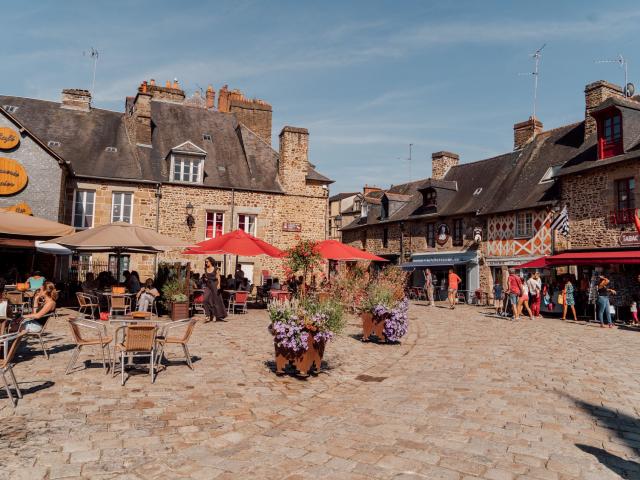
(634, 312)
(497, 296)
(213, 304)
(428, 286)
(569, 300)
(454, 282)
(535, 293)
(603, 303)
(523, 301)
(515, 292)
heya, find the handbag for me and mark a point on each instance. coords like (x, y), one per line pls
(560, 299)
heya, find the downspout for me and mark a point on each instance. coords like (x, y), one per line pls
(158, 197)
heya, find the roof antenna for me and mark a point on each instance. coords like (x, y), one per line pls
(537, 57)
(408, 159)
(620, 60)
(93, 53)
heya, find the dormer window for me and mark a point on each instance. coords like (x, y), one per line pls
(186, 168)
(429, 200)
(364, 210)
(610, 134)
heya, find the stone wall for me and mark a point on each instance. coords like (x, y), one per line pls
(441, 162)
(594, 94)
(590, 197)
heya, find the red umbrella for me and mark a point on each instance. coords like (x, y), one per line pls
(235, 243)
(537, 263)
(335, 250)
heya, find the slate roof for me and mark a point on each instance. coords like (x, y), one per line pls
(341, 196)
(235, 157)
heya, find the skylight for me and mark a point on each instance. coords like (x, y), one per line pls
(478, 191)
(111, 149)
(207, 137)
(53, 143)
(10, 108)
(550, 173)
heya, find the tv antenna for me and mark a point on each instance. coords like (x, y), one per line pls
(537, 57)
(93, 54)
(620, 60)
(409, 159)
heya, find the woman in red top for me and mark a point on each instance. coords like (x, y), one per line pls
(454, 281)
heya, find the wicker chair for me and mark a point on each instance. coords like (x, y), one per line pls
(119, 303)
(13, 341)
(100, 339)
(166, 338)
(16, 301)
(42, 331)
(238, 300)
(87, 302)
(139, 341)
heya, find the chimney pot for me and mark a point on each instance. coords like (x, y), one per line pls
(168, 84)
(210, 98)
(153, 82)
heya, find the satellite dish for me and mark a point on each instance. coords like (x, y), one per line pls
(629, 90)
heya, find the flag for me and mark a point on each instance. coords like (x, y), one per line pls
(561, 222)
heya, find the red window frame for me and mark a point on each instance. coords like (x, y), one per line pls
(610, 134)
(215, 224)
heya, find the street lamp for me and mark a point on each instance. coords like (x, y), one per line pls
(191, 222)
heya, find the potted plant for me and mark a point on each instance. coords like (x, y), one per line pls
(175, 296)
(384, 308)
(301, 331)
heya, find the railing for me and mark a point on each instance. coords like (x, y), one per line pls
(622, 216)
(78, 270)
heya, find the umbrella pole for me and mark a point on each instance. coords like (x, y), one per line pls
(118, 266)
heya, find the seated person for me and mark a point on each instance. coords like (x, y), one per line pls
(276, 284)
(35, 281)
(133, 282)
(244, 286)
(231, 283)
(34, 322)
(89, 284)
(146, 295)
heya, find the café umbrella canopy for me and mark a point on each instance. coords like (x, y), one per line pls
(237, 242)
(12, 223)
(335, 250)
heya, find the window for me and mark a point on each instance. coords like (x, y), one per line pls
(524, 224)
(53, 143)
(430, 198)
(625, 194)
(385, 237)
(364, 210)
(458, 235)
(10, 108)
(247, 223)
(207, 137)
(431, 235)
(384, 210)
(610, 135)
(83, 208)
(215, 224)
(124, 265)
(122, 207)
(186, 169)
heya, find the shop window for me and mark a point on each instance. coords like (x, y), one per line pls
(610, 135)
(83, 208)
(431, 235)
(215, 225)
(458, 234)
(524, 225)
(247, 223)
(385, 237)
(122, 207)
(186, 169)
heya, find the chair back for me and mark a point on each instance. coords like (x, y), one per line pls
(140, 338)
(3, 309)
(76, 333)
(118, 301)
(241, 297)
(15, 340)
(82, 300)
(14, 298)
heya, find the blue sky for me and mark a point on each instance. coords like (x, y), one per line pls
(366, 78)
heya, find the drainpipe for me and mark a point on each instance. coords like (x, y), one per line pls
(158, 197)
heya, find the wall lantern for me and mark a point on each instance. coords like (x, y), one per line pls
(191, 222)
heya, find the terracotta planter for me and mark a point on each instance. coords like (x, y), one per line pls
(372, 325)
(302, 361)
(323, 297)
(179, 310)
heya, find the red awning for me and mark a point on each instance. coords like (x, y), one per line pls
(537, 263)
(594, 258)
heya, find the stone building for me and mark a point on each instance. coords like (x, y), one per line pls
(343, 209)
(181, 166)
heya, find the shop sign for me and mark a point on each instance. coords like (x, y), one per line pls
(9, 138)
(443, 234)
(291, 227)
(13, 176)
(629, 238)
(20, 208)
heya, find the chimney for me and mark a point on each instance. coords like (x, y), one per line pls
(253, 113)
(293, 163)
(138, 114)
(594, 94)
(441, 162)
(526, 131)
(76, 99)
(367, 189)
(211, 97)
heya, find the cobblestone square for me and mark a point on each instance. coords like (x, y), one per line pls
(465, 396)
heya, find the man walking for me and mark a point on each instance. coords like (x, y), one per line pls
(454, 281)
(428, 286)
(515, 292)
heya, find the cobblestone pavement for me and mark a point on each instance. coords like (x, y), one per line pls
(464, 396)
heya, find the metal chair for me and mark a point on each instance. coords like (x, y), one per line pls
(102, 340)
(87, 302)
(42, 331)
(119, 303)
(139, 341)
(238, 299)
(165, 338)
(16, 301)
(197, 303)
(9, 345)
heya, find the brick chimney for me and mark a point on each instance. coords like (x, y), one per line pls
(526, 131)
(294, 159)
(169, 93)
(594, 94)
(253, 113)
(138, 114)
(211, 97)
(76, 99)
(441, 162)
(367, 189)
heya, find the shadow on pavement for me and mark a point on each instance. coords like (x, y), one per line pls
(618, 465)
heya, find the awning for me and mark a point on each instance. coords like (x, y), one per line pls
(441, 259)
(537, 263)
(51, 248)
(512, 261)
(595, 258)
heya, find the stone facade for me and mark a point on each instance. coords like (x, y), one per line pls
(441, 162)
(526, 131)
(253, 113)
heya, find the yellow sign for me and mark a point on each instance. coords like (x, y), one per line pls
(13, 176)
(19, 208)
(8, 138)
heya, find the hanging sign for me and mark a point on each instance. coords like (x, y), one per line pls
(9, 138)
(443, 234)
(13, 176)
(19, 208)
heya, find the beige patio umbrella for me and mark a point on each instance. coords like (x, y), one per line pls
(12, 223)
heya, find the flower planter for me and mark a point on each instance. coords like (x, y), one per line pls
(304, 360)
(179, 310)
(372, 325)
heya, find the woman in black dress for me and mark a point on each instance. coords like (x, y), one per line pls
(213, 304)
